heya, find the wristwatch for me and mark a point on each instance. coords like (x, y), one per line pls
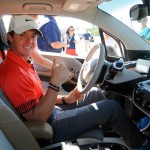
(63, 100)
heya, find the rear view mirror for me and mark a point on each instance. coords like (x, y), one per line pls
(138, 12)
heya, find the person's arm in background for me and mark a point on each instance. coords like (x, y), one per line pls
(148, 36)
(76, 39)
(58, 45)
(41, 60)
(53, 36)
(45, 62)
(83, 36)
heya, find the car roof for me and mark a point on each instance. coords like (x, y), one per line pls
(48, 6)
(72, 8)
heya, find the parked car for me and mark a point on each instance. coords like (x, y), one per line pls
(123, 76)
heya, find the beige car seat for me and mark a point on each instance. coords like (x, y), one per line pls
(39, 129)
(14, 135)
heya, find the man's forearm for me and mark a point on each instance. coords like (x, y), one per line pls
(41, 111)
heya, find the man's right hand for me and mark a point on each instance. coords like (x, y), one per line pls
(60, 74)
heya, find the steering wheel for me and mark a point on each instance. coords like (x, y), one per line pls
(91, 69)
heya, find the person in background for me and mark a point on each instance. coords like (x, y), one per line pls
(87, 38)
(88, 111)
(71, 41)
(51, 40)
(3, 50)
(145, 30)
(92, 39)
(111, 45)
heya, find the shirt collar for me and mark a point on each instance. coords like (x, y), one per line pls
(17, 59)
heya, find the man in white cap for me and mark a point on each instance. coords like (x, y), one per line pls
(21, 84)
(22, 23)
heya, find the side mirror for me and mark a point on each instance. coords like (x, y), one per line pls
(138, 12)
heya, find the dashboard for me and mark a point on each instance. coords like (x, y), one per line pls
(141, 91)
(132, 81)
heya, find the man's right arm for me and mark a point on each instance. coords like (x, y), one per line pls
(44, 108)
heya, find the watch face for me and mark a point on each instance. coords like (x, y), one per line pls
(63, 100)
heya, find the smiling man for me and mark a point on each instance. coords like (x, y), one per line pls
(21, 84)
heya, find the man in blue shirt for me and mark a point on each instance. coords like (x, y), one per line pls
(145, 31)
(51, 40)
(87, 37)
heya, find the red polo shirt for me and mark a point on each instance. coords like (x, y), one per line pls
(20, 82)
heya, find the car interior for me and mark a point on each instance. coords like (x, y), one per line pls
(123, 76)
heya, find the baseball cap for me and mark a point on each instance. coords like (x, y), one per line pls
(22, 23)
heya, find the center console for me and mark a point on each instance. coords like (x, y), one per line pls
(94, 146)
(97, 146)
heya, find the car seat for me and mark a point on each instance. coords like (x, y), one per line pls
(39, 129)
(14, 135)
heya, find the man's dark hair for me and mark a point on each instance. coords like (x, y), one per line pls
(12, 34)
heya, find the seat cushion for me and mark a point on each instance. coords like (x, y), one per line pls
(15, 131)
(92, 136)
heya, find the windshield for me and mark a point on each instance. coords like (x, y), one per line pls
(141, 27)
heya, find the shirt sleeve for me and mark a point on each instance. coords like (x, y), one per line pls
(21, 93)
(51, 33)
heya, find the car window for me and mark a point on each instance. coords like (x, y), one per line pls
(112, 47)
(80, 26)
